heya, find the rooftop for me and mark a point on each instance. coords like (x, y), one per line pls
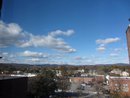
(9, 77)
(128, 78)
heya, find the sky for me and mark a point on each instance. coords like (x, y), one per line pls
(76, 32)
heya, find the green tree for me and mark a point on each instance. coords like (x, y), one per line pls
(43, 85)
(63, 83)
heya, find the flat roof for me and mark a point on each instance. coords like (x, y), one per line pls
(9, 77)
(120, 78)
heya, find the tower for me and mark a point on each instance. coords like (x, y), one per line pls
(128, 40)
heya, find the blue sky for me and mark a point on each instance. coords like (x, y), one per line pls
(64, 31)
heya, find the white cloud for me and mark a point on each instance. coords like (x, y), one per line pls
(33, 54)
(78, 58)
(90, 61)
(12, 34)
(31, 57)
(4, 54)
(114, 54)
(33, 60)
(107, 40)
(117, 49)
(103, 42)
(59, 32)
(101, 49)
(8, 57)
(48, 42)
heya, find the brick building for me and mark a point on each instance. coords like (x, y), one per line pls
(81, 79)
(98, 78)
(120, 84)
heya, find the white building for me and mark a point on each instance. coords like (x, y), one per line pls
(58, 73)
(124, 74)
(116, 71)
(24, 75)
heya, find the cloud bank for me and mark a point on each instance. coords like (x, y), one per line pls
(12, 34)
(107, 40)
(28, 53)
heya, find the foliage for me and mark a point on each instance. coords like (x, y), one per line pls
(63, 83)
(43, 85)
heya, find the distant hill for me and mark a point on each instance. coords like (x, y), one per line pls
(49, 65)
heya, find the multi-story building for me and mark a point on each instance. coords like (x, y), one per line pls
(97, 78)
(81, 79)
(120, 85)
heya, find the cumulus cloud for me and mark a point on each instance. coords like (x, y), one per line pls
(8, 57)
(117, 49)
(33, 60)
(114, 54)
(78, 58)
(48, 41)
(107, 40)
(59, 32)
(33, 54)
(31, 57)
(12, 34)
(103, 42)
(101, 49)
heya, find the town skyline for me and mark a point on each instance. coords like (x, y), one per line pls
(64, 32)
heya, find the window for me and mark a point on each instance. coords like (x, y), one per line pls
(125, 87)
(116, 85)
